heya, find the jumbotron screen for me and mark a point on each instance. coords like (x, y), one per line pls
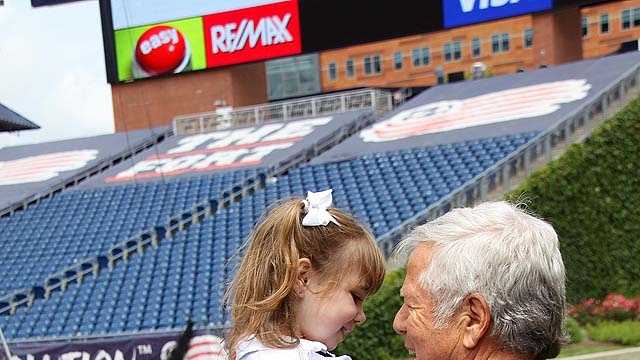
(161, 37)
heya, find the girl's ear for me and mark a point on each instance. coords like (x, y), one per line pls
(304, 273)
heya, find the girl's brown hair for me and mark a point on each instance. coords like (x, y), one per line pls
(261, 294)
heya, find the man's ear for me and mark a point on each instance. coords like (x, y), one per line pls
(304, 272)
(475, 320)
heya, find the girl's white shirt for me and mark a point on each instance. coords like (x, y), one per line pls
(253, 349)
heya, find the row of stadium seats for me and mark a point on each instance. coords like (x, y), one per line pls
(185, 276)
(67, 228)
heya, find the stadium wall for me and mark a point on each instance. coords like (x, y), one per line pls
(154, 102)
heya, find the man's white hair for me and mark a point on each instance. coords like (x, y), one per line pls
(510, 258)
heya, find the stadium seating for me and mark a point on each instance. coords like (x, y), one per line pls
(59, 231)
(186, 275)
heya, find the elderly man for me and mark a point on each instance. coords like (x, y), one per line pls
(482, 283)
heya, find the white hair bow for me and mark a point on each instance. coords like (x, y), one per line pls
(316, 206)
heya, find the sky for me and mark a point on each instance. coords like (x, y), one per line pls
(52, 71)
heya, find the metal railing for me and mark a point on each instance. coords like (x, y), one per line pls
(377, 100)
(501, 174)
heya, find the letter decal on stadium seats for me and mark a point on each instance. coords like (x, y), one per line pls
(43, 167)
(512, 104)
(221, 150)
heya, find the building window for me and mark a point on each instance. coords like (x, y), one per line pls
(349, 68)
(415, 57)
(604, 23)
(426, 56)
(585, 26)
(377, 64)
(372, 65)
(528, 38)
(495, 43)
(457, 50)
(452, 51)
(636, 17)
(447, 52)
(397, 60)
(505, 42)
(626, 19)
(333, 71)
(475, 47)
(500, 43)
(420, 57)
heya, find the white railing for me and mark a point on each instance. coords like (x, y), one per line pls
(377, 100)
(523, 159)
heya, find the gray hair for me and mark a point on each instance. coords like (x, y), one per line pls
(510, 258)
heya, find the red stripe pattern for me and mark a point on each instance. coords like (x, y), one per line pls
(43, 167)
(513, 104)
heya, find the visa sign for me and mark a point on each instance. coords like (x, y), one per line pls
(464, 12)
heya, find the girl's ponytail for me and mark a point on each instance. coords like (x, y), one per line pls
(265, 278)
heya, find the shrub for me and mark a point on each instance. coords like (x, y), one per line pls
(625, 332)
(614, 307)
(590, 196)
(573, 330)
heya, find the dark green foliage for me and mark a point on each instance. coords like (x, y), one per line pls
(375, 339)
(573, 330)
(591, 195)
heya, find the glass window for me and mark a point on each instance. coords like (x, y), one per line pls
(626, 19)
(349, 68)
(397, 60)
(495, 43)
(415, 57)
(293, 77)
(457, 50)
(604, 23)
(636, 17)
(333, 71)
(426, 56)
(505, 42)
(475, 47)
(528, 38)
(447, 52)
(585, 26)
(367, 65)
(377, 64)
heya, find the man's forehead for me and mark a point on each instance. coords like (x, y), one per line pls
(418, 262)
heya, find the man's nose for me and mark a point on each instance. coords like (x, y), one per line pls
(399, 323)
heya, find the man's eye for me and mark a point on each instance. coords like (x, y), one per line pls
(356, 298)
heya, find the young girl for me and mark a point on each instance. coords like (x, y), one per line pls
(300, 286)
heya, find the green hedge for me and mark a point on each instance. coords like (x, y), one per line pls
(591, 195)
(375, 339)
(573, 330)
(625, 333)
